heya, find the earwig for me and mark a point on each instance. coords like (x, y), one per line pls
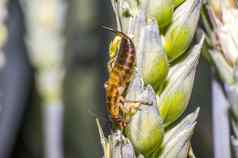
(119, 77)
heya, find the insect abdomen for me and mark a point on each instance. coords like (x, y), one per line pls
(119, 78)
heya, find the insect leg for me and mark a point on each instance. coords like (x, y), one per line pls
(134, 106)
(129, 108)
(122, 105)
(137, 101)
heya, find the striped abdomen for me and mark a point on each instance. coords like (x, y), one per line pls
(119, 79)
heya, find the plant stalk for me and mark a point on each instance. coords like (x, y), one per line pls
(221, 129)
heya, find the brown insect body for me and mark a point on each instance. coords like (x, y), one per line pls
(119, 79)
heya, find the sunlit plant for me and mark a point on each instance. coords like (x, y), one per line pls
(166, 60)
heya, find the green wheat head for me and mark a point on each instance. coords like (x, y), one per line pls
(166, 61)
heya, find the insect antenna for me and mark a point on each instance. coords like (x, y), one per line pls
(109, 29)
(119, 33)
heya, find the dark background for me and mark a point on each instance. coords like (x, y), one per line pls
(85, 62)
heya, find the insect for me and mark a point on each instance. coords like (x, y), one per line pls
(121, 68)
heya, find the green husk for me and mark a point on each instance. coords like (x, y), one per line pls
(178, 2)
(174, 99)
(177, 40)
(155, 64)
(176, 142)
(162, 10)
(145, 130)
(180, 33)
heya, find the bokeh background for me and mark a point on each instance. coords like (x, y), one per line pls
(85, 61)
